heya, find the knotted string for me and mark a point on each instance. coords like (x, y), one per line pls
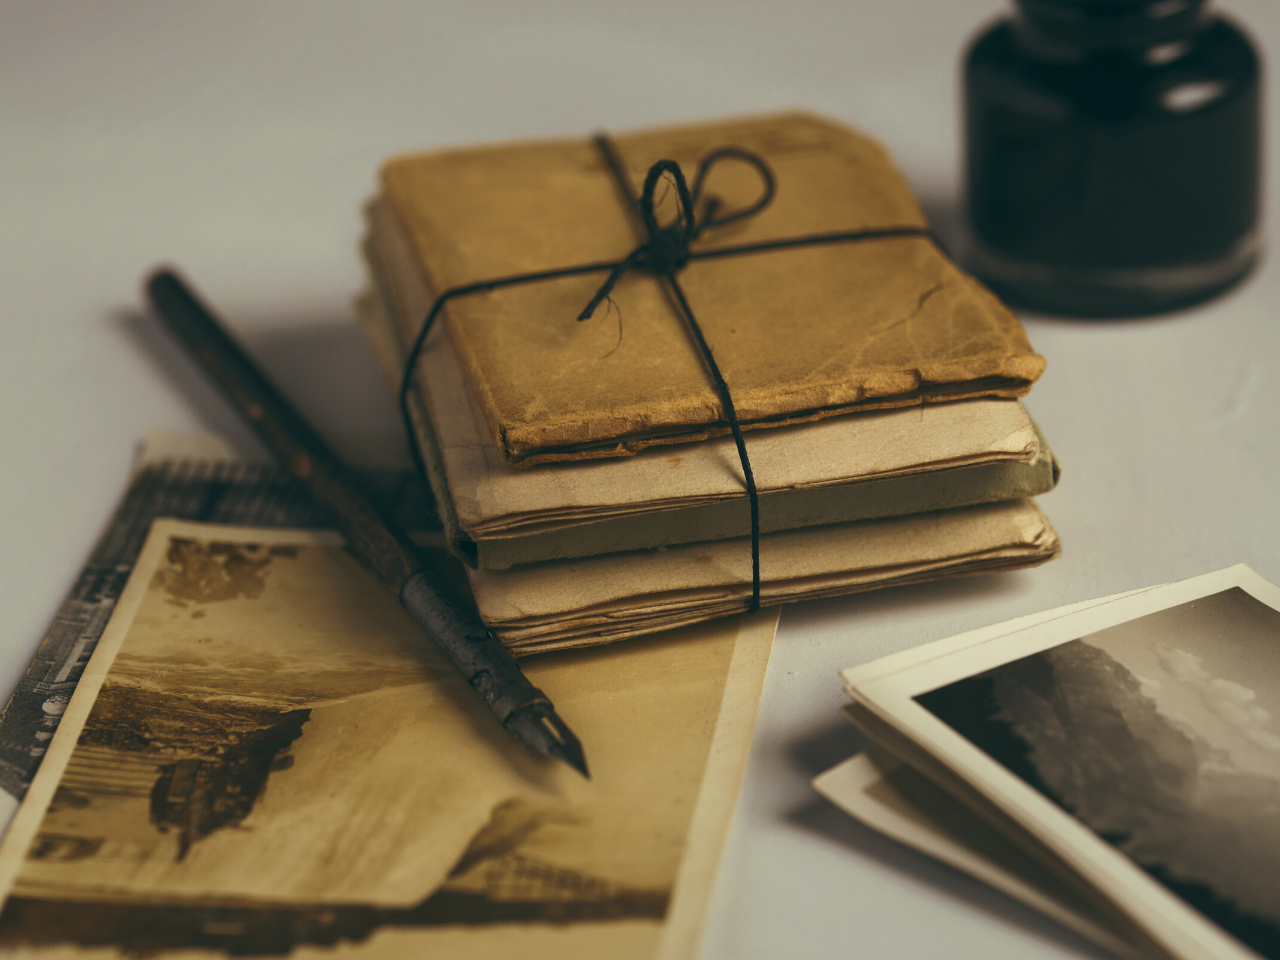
(663, 251)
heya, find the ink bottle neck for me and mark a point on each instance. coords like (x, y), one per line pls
(1072, 30)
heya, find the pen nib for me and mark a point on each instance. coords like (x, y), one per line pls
(539, 728)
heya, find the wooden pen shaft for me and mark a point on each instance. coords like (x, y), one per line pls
(455, 628)
(297, 447)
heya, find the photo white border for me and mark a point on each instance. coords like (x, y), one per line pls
(887, 688)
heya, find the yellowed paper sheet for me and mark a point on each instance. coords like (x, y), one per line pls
(264, 737)
(494, 499)
(800, 334)
(571, 602)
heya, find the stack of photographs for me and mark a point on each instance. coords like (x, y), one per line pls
(1113, 763)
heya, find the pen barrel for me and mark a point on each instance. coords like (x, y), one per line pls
(456, 629)
(290, 438)
(475, 651)
(279, 426)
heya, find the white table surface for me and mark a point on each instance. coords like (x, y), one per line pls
(238, 140)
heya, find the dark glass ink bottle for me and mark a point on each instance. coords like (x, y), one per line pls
(1113, 151)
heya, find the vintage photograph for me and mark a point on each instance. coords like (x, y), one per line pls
(277, 759)
(1161, 734)
(167, 483)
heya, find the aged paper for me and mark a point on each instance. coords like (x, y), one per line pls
(264, 747)
(1134, 743)
(208, 693)
(576, 518)
(574, 602)
(192, 476)
(799, 334)
(494, 499)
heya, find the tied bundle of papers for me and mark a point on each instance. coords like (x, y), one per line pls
(1114, 763)
(583, 470)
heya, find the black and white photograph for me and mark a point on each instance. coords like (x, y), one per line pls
(1152, 720)
(1162, 735)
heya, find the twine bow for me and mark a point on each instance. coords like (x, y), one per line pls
(665, 251)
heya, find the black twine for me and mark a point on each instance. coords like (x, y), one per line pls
(664, 252)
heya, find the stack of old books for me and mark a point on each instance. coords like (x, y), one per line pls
(583, 469)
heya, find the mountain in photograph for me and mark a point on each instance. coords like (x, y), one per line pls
(494, 882)
(1074, 723)
(202, 764)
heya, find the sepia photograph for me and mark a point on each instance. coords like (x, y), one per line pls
(275, 759)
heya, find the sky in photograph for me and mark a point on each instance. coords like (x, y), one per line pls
(1213, 667)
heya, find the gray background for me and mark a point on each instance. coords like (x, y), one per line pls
(238, 141)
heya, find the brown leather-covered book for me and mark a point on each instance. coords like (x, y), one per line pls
(799, 334)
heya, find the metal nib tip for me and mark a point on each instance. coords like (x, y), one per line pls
(540, 730)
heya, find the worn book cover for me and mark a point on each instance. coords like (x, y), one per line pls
(800, 334)
(879, 464)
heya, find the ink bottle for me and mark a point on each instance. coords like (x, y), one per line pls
(1113, 155)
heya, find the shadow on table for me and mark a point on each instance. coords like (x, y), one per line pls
(947, 217)
(897, 601)
(838, 740)
(321, 364)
